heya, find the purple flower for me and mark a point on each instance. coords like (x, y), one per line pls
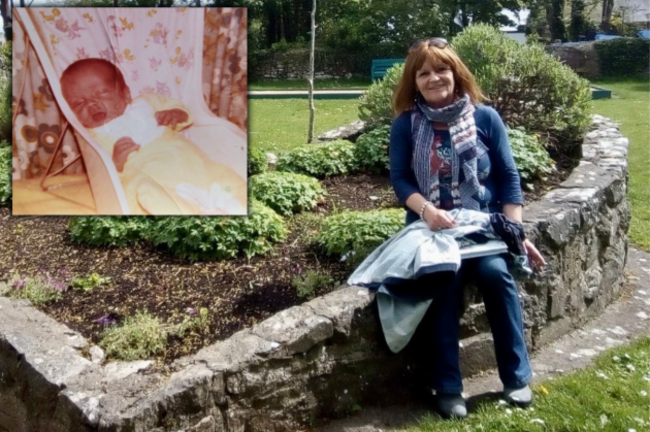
(107, 320)
(64, 272)
(19, 284)
(190, 311)
(41, 270)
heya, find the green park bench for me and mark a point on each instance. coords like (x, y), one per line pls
(380, 66)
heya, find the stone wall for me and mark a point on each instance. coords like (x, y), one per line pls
(294, 64)
(327, 357)
(582, 58)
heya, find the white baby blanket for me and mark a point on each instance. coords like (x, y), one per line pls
(138, 122)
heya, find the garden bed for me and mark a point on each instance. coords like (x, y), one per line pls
(237, 293)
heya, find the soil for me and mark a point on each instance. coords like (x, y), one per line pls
(238, 292)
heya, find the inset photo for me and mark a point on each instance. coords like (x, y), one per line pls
(123, 111)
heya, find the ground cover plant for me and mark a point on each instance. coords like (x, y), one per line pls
(610, 396)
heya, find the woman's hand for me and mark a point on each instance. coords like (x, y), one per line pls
(123, 147)
(534, 256)
(437, 219)
(171, 117)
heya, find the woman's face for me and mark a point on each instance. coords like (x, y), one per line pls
(436, 84)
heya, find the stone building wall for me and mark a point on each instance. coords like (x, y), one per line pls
(327, 357)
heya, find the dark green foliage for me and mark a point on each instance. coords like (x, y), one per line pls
(256, 161)
(213, 238)
(555, 16)
(5, 173)
(359, 231)
(371, 149)
(286, 192)
(320, 160)
(623, 56)
(530, 156)
(526, 85)
(108, 230)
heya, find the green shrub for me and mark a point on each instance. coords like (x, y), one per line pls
(359, 231)
(205, 238)
(139, 337)
(108, 230)
(40, 289)
(623, 56)
(530, 156)
(320, 160)
(5, 91)
(5, 173)
(256, 161)
(286, 192)
(526, 85)
(371, 149)
(90, 282)
(310, 282)
(375, 103)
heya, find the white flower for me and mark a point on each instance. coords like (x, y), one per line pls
(600, 374)
(616, 358)
(603, 420)
(643, 393)
(214, 201)
(630, 367)
(536, 420)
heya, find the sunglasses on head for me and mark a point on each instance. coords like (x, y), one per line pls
(437, 42)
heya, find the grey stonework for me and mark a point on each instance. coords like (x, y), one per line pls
(325, 358)
(582, 58)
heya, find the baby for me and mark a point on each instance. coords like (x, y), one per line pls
(161, 171)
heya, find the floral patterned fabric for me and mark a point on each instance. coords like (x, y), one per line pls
(153, 53)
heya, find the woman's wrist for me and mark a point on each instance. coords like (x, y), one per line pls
(423, 208)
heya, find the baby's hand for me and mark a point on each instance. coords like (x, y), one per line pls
(171, 117)
(123, 147)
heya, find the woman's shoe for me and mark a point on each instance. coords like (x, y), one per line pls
(521, 397)
(451, 405)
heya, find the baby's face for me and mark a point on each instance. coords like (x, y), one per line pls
(95, 96)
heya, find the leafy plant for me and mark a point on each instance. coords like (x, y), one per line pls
(320, 160)
(358, 231)
(40, 289)
(89, 282)
(310, 282)
(530, 156)
(256, 161)
(140, 337)
(108, 230)
(5, 173)
(375, 104)
(286, 192)
(526, 85)
(371, 149)
(623, 56)
(204, 238)
(193, 322)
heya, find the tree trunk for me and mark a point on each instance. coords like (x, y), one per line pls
(608, 8)
(312, 49)
(6, 17)
(555, 17)
(577, 29)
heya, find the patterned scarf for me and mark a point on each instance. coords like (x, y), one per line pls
(466, 149)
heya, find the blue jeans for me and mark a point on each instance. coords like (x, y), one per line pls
(441, 324)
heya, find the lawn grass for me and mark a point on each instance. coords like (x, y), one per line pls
(355, 83)
(278, 125)
(610, 396)
(630, 106)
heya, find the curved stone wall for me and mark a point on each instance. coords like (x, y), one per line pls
(326, 357)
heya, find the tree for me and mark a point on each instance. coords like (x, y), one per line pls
(6, 5)
(578, 26)
(312, 109)
(555, 17)
(608, 9)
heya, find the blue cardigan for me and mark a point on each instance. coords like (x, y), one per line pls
(502, 183)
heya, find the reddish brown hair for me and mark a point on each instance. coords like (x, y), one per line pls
(406, 91)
